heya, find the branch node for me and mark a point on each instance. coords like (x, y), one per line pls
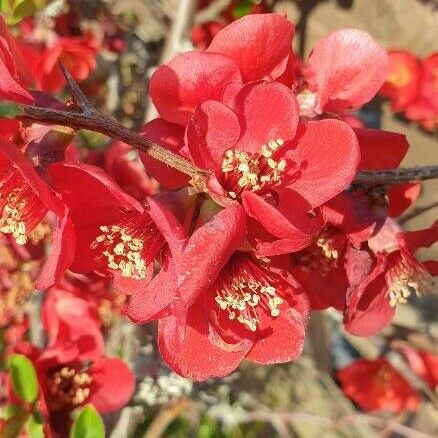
(78, 96)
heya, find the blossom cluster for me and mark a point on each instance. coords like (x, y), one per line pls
(232, 271)
(412, 87)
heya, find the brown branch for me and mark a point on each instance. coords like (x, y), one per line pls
(396, 176)
(84, 116)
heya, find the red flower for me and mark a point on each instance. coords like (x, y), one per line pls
(115, 234)
(376, 385)
(277, 168)
(77, 54)
(203, 34)
(24, 203)
(14, 76)
(233, 305)
(391, 280)
(425, 109)
(107, 383)
(403, 81)
(72, 327)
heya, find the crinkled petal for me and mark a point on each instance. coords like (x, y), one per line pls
(274, 222)
(213, 129)
(154, 300)
(208, 250)
(282, 341)
(347, 69)
(185, 346)
(61, 254)
(328, 154)
(260, 44)
(266, 111)
(178, 87)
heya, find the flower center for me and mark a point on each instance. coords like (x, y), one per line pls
(244, 171)
(307, 102)
(68, 387)
(400, 77)
(122, 251)
(11, 221)
(327, 249)
(405, 280)
(243, 293)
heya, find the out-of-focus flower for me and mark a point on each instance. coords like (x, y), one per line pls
(377, 385)
(77, 54)
(412, 87)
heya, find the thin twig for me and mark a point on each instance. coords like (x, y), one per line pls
(294, 417)
(165, 417)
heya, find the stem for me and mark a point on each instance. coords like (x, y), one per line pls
(396, 176)
(84, 116)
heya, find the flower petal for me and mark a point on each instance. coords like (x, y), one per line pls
(380, 149)
(154, 300)
(106, 373)
(266, 111)
(208, 251)
(401, 197)
(274, 222)
(282, 341)
(213, 129)
(184, 344)
(348, 68)
(188, 80)
(328, 154)
(259, 43)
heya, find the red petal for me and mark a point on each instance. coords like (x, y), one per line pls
(401, 197)
(188, 80)
(266, 111)
(10, 89)
(171, 137)
(168, 225)
(31, 177)
(153, 301)
(274, 222)
(348, 69)
(259, 43)
(213, 129)
(282, 341)
(112, 385)
(368, 310)
(208, 251)
(329, 155)
(380, 149)
(185, 346)
(413, 240)
(61, 254)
